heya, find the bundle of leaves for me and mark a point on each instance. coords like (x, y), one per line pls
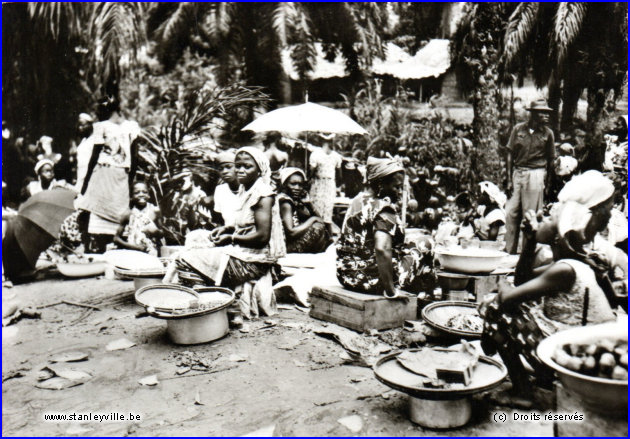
(168, 154)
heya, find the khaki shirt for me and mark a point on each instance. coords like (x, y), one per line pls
(531, 148)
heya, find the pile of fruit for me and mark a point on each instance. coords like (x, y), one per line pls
(604, 359)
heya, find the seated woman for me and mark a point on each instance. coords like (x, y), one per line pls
(571, 291)
(371, 255)
(139, 228)
(490, 226)
(305, 231)
(45, 171)
(247, 250)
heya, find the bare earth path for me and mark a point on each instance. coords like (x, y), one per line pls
(290, 378)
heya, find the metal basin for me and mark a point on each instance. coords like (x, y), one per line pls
(602, 395)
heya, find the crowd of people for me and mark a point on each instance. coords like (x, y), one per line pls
(273, 201)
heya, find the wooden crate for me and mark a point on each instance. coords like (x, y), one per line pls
(361, 312)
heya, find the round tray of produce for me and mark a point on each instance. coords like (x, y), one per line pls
(591, 362)
(405, 371)
(457, 319)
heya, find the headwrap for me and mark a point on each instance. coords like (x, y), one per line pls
(42, 163)
(226, 156)
(262, 188)
(380, 168)
(494, 193)
(285, 173)
(578, 196)
(565, 165)
(86, 118)
(261, 161)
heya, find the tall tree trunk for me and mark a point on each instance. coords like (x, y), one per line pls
(600, 110)
(572, 87)
(555, 92)
(485, 160)
(570, 96)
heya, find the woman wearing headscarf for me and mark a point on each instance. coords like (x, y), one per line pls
(491, 224)
(45, 171)
(569, 292)
(246, 250)
(371, 255)
(305, 231)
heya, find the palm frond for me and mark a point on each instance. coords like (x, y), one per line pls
(116, 29)
(58, 18)
(519, 29)
(283, 20)
(568, 24)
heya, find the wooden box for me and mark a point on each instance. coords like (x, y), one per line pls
(361, 312)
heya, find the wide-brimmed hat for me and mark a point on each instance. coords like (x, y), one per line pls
(539, 105)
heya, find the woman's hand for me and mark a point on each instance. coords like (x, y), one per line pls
(222, 240)
(530, 225)
(482, 308)
(214, 235)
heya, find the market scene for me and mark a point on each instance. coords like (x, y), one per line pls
(315, 219)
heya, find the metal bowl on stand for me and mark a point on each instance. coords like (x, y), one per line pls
(192, 317)
(436, 407)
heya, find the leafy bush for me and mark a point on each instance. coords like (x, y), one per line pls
(189, 141)
(427, 140)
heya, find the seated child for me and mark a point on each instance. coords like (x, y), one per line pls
(139, 229)
(490, 225)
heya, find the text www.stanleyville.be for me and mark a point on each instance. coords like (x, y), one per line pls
(91, 417)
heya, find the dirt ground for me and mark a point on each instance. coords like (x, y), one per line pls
(291, 380)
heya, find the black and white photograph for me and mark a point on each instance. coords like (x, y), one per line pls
(314, 219)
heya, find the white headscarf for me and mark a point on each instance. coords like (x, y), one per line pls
(494, 193)
(262, 188)
(285, 173)
(261, 161)
(578, 196)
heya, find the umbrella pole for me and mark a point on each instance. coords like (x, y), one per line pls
(306, 155)
(405, 195)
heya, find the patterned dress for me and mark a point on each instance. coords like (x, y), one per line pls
(316, 238)
(357, 268)
(323, 187)
(522, 330)
(138, 221)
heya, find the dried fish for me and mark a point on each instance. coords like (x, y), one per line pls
(198, 398)
(119, 344)
(69, 357)
(236, 358)
(57, 383)
(150, 380)
(45, 374)
(353, 423)
(263, 432)
(71, 374)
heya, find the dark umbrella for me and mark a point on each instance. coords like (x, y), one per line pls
(36, 225)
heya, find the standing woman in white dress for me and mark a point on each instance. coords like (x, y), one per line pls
(325, 164)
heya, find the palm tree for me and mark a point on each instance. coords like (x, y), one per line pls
(247, 39)
(58, 56)
(570, 47)
(476, 50)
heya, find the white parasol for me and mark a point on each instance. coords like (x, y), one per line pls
(304, 118)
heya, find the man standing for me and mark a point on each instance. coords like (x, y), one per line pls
(531, 154)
